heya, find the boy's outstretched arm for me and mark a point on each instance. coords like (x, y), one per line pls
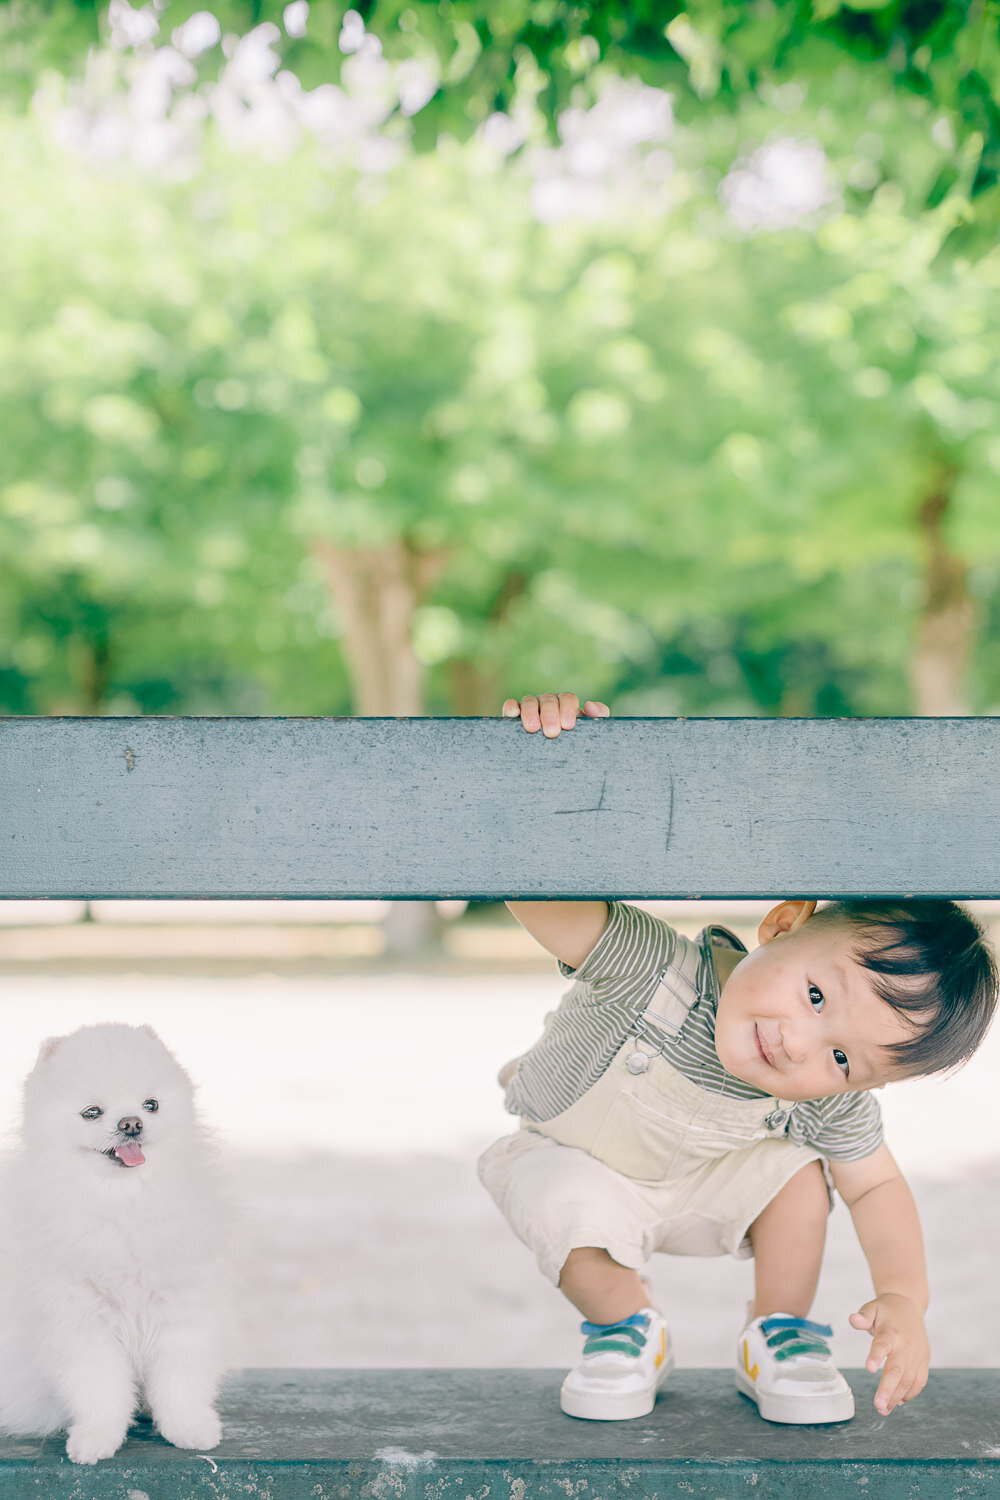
(567, 929)
(885, 1217)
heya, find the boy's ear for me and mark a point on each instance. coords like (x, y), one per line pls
(787, 916)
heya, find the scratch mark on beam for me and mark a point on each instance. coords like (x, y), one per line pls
(670, 814)
(567, 812)
(129, 758)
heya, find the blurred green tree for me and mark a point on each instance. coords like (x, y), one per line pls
(473, 55)
(302, 420)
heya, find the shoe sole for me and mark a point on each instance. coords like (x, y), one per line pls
(604, 1408)
(794, 1411)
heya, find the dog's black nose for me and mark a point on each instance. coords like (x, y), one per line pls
(130, 1125)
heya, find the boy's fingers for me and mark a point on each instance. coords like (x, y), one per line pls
(569, 710)
(880, 1350)
(550, 714)
(885, 1398)
(529, 715)
(915, 1386)
(889, 1388)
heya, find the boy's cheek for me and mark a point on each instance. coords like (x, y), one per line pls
(723, 1043)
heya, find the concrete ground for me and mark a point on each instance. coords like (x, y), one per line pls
(351, 1107)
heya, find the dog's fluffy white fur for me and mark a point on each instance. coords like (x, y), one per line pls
(113, 1275)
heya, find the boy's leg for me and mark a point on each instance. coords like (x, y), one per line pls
(627, 1355)
(788, 1240)
(604, 1291)
(553, 1196)
(783, 1362)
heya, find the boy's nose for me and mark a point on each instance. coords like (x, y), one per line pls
(795, 1044)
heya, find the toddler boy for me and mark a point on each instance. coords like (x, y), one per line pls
(693, 1098)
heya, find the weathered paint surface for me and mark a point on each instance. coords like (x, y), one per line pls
(498, 1435)
(476, 807)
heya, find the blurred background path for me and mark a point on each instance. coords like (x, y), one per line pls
(352, 1096)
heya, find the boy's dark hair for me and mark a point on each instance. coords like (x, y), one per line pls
(934, 966)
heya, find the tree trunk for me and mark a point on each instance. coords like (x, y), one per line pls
(476, 690)
(473, 691)
(945, 629)
(90, 668)
(377, 591)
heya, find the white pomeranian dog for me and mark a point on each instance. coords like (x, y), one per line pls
(112, 1249)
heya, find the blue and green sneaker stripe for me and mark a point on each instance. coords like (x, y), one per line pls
(627, 1337)
(789, 1337)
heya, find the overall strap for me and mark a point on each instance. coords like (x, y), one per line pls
(677, 991)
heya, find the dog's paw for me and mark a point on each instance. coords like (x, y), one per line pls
(88, 1443)
(196, 1428)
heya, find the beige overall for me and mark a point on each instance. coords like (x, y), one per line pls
(645, 1160)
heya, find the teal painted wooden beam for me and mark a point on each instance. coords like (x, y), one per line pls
(475, 807)
(499, 1435)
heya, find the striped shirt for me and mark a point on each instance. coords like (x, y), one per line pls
(612, 987)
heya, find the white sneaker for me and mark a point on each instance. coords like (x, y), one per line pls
(623, 1366)
(784, 1364)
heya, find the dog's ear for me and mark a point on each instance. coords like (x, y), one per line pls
(48, 1047)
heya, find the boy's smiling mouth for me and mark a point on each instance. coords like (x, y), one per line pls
(762, 1047)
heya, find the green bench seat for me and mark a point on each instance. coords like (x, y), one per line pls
(499, 1435)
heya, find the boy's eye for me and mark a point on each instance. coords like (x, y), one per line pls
(92, 1112)
(840, 1058)
(816, 997)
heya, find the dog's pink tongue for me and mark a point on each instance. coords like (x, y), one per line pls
(129, 1153)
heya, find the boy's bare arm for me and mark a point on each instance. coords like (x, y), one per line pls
(567, 929)
(888, 1227)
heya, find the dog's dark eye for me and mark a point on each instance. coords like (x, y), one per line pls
(92, 1112)
(151, 1105)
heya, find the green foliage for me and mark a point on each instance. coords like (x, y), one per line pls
(656, 451)
(485, 53)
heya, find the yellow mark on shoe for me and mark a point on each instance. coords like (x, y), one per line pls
(746, 1362)
(663, 1349)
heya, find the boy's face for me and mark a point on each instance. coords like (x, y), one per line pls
(799, 1017)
